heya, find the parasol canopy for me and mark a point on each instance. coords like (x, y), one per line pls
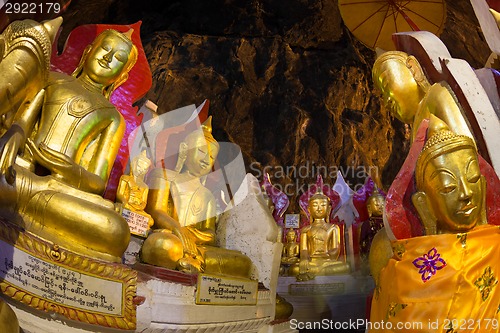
(374, 21)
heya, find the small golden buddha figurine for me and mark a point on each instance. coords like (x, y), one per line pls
(375, 206)
(184, 211)
(291, 252)
(132, 193)
(451, 271)
(319, 243)
(410, 96)
(72, 134)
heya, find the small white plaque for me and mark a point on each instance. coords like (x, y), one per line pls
(137, 223)
(292, 221)
(222, 290)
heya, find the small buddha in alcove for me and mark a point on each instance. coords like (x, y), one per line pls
(320, 243)
(375, 206)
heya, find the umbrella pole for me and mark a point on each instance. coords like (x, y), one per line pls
(408, 20)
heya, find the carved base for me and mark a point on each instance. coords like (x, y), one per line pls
(44, 278)
(53, 290)
(170, 306)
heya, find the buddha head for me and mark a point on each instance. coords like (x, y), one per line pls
(319, 206)
(291, 236)
(199, 151)
(108, 60)
(401, 80)
(140, 164)
(25, 50)
(451, 192)
(375, 203)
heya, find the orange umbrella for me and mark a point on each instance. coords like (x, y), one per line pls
(374, 21)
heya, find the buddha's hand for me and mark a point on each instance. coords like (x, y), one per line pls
(334, 253)
(10, 144)
(60, 165)
(188, 241)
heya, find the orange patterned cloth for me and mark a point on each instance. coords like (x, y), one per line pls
(440, 283)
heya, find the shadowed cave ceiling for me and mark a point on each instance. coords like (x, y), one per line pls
(286, 80)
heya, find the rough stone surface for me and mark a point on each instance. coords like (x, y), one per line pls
(250, 228)
(287, 81)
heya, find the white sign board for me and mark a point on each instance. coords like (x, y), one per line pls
(222, 290)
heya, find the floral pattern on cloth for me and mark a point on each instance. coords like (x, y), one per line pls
(429, 264)
(485, 282)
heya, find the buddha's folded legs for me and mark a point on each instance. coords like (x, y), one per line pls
(223, 261)
(76, 220)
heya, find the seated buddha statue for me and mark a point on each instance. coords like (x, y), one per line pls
(69, 137)
(291, 248)
(410, 96)
(319, 243)
(132, 195)
(184, 211)
(451, 273)
(375, 206)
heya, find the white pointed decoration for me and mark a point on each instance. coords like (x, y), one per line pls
(346, 212)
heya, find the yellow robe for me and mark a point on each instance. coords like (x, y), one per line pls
(440, 283)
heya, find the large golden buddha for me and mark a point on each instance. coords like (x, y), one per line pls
(69, 136)
(448, 277)
(410, 96)
(319, 243)
(184, 211)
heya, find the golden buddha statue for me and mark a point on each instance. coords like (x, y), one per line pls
(71, 134)
(132, 194)
(184, 211)
(291, 252)
(451, 273)
(410, 96)
(375, 206)
(319, 243)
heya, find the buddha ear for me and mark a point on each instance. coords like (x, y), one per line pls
(369, 209)
(183, 149)
(121, 79)
(425, 212)
(79, 68)
(483, 218)
(2, 47)
(417, 71)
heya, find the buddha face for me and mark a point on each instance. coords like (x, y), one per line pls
(291, 236)
(107, 58)
(375, 205)
(399, 89)
(318, 208)
(141, 166)
(453, 185)
(201, 155)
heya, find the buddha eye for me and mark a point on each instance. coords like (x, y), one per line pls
(448, 189)
(106, 47)
(121, 56)
(473, 173)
